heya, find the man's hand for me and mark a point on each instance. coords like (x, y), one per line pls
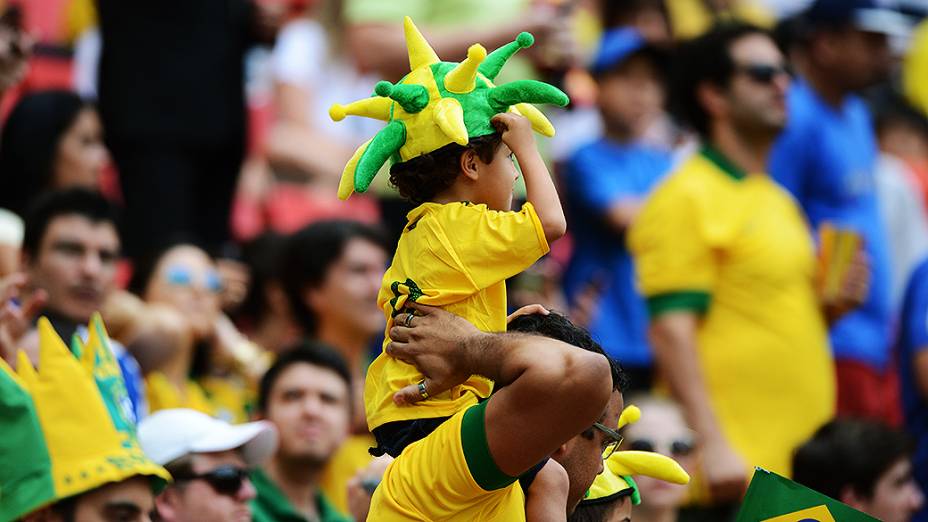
(854, 289)
(725, 471)
(517, 132)
(16, 314)
(361, 486)
(438, 344)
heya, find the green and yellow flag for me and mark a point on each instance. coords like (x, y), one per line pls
(772, 498)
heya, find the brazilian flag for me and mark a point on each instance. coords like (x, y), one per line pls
(772, 498)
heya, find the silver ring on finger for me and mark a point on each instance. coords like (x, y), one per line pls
(408, 321)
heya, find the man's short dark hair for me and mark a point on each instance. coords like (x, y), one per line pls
(620, 13)
(309, 254)
(306, 352)
(557, 326)
(75, 201)
(706, 59)
(849, 453)
(422, 178)
(596, 511)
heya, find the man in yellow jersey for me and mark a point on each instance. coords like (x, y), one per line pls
(727, 264)
(557, 396)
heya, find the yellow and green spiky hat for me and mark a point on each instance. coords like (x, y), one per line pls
(616, 479)
(65, 432)
(439, 103)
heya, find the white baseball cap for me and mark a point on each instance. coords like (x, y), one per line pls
(170, 434)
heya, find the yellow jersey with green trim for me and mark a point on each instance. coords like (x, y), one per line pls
(456, 256)
(436, 478)
(735, 249)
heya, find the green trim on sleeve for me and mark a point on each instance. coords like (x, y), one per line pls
(480, 462)
(692, 300)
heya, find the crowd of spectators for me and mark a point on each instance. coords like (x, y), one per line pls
(745, 183)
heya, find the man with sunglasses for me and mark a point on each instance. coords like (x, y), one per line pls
(209, 460)
(726, 264)
(827, 158)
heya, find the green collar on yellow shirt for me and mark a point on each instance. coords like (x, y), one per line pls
(716, 157)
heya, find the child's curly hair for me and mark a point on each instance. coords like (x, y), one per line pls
(422, 178)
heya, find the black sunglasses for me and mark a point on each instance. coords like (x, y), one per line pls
(763, 73)
(677, 448)
(225, 480)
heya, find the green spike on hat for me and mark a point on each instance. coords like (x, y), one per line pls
(439, 103)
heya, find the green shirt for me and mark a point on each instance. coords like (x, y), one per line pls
(271, 505)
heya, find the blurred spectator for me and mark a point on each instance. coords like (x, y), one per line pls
(691, 18)
(265, 313)
(606, 182)
(209, 461)
(648, 17)
(331, 272)
(15, 46)
(377, 43)
(177, 136)
(216, 356)
(661, 429)
(307, 395)
(70, 250)
(52, 140)
(839, 48)
(311, 72)
(900, 191)
(913, 366)
(864, 464)
(903, 133)
(11, 239)
(723, 254)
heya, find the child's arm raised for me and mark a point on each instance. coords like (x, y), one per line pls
(539, 187)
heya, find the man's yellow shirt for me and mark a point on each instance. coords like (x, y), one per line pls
(736, 249)
(456, 256)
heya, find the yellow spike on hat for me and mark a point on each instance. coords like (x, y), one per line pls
(346, 183)
(420, 52)
(460, 80)
(375, 107)
(539, 121)
(449, 115)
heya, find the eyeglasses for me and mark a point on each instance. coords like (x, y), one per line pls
(763, 73)
(676, 448)
(613, 437)
(183, 276)
(225, 480)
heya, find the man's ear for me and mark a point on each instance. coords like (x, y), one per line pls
(166, 504)
(852, 498)
(712, 99)
(561, 450)
(469, 166)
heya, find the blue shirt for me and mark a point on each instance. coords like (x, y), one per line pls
(827, 158)
(913, 339)
(598, 175)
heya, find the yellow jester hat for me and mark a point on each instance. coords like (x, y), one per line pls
(83, 436)
(616, 481)
(439, 103)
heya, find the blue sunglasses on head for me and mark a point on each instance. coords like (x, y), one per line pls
(183, 276)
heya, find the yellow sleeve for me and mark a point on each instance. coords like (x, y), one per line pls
(491, 246)
(673, 257)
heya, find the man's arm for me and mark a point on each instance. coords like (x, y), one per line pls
(549, 391)
(673, 338)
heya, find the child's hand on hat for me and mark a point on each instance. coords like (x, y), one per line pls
(516, 130)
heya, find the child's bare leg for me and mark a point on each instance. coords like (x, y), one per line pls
(546, 498)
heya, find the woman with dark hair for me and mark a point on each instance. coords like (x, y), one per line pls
(52, 139)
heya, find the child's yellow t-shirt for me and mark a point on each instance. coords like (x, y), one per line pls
(456, 256)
